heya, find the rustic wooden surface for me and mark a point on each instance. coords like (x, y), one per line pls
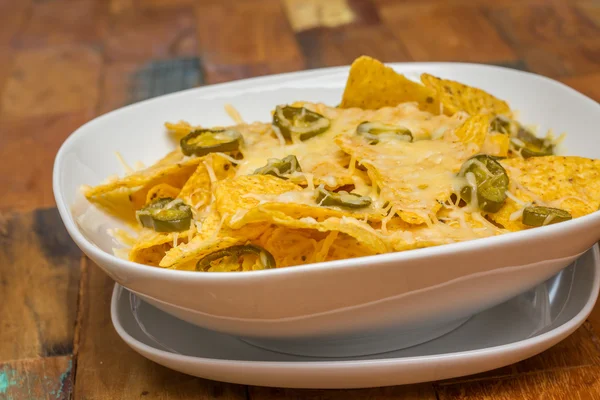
(63, 62)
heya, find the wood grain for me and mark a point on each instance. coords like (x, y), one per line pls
(574, 383)
(257, 39)
(447, 33)
(146, 34)
(28, 148)
(48, 378)
(39, 277)
(64, 61)
(108, 369)
(409, 392)
(342, 45)
(37, 84)
(62, 22)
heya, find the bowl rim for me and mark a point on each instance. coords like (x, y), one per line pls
(359, 262)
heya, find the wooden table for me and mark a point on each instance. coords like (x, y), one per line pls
(64, 62)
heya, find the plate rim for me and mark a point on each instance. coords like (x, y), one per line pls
(560, 331)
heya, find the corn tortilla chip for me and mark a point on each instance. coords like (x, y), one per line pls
(372, 85)
(569, 183)
(456, 97)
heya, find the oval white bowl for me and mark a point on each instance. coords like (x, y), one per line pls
(418, 291)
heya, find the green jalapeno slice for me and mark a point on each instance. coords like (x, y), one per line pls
(374, 131)
(501, 124)
(204, 141)
(279, 168)
(342, 198)
(490, 181)
(299, 122)
(540, 216)
(530, 145)
(266, 259)
(166, 215)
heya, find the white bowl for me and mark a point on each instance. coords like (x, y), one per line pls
(351, 307)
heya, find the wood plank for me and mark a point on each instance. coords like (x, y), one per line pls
(126, 83)
(309, 14)
(39, 281)
(12, 16)
(37, 84)
(554, 21)
(148, 34)
(39, 378)
(447, 33)
(590, 86)
(560, 61)
(573, 383)
(409, 392)
(59, 22)
(554, 37)
(108, 369)
(324, 47)
(247, 38)
(578, 350)
(27, 148)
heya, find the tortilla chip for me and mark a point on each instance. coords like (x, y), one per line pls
(570, 183)
(456, 97)
(473, 130)
(161, 191)
(372, 85)
(496, 144)
(180, 129)
(197, 191)
(173, 170)
(279, 215)
(415, 178)
(152, 246)
(186, 255)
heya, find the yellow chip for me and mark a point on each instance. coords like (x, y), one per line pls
(372, 85)
(473, 130)
(180, 129)
(569, 183)
(161, 191)
(456, 97)
(235, 198)
(152, 246)
(496, 144)
(415, 178)
(173, 170)
(186, 255)
(197, 191)
(245, 192)
(345, 224)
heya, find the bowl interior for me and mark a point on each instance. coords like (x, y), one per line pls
(137, 131)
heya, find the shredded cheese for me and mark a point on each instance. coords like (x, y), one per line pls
(126, 167)
(234, 114)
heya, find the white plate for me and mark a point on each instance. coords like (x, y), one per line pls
(510, 332)
(372, 304)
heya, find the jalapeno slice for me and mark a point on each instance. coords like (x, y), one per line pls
(540, 216)
(204, 141)
(279, 168)
(500, 124)
(266, 259)
(166, 215)
(374, 131)
(490, 180)
(299, 122)
(530, 145)
(342, 198)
